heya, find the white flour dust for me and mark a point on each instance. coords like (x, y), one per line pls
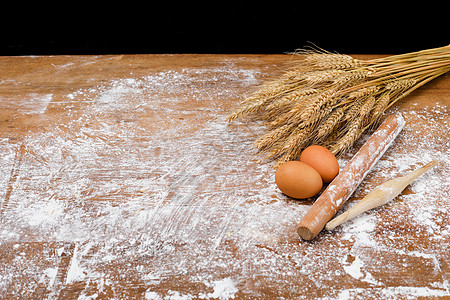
(147, 186)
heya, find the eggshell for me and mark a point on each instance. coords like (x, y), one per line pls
(322, 160)
(298, 180)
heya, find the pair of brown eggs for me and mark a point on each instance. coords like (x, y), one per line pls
(304, 178)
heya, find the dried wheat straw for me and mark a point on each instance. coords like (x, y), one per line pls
(330, 122)
(331, 99)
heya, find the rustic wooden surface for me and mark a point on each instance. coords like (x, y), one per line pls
(119, 178)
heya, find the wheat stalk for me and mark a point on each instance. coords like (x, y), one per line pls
(331, 99)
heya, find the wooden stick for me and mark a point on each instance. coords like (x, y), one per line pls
(341, 188)
(380, 195)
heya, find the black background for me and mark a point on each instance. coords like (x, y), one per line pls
(220, 27)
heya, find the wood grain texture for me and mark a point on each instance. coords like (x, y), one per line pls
(120, 178)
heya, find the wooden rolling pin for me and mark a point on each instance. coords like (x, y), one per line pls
(380, 195)
(341, 188)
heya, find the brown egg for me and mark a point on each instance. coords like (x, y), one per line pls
(298, 180)
(322, 160)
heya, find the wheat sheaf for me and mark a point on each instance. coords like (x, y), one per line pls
(330, 99)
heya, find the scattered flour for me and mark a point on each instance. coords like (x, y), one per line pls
(75, 271)
(51, 274)
(131, 194)
(36, 104)
(354, 269)
(223, 289)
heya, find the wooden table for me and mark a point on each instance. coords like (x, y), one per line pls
(120, 178)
